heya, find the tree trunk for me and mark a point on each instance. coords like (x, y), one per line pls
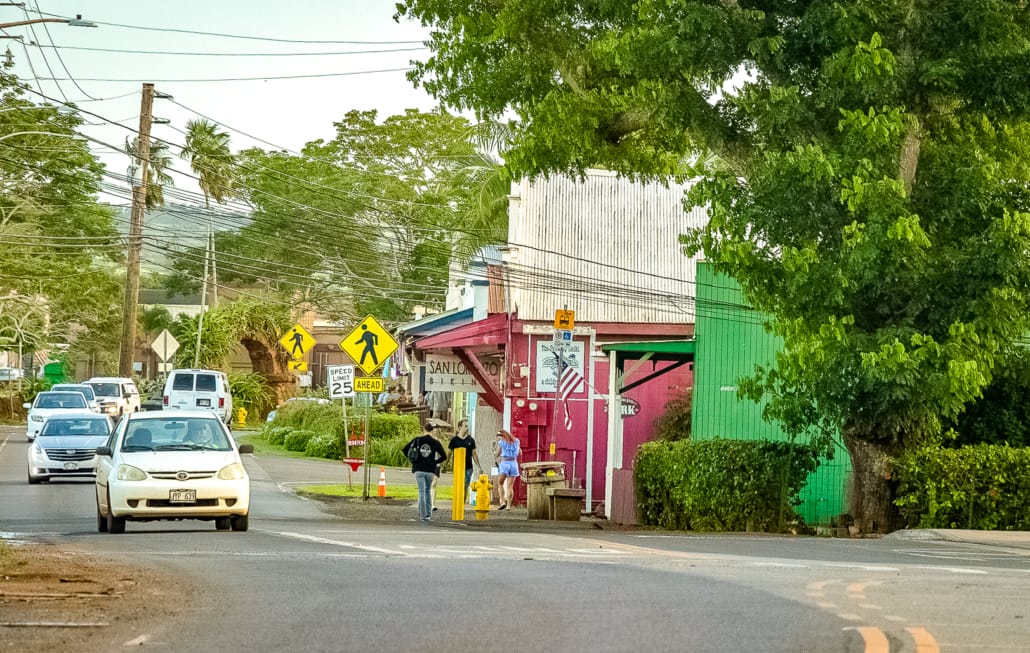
(872, 490)
(272, 363)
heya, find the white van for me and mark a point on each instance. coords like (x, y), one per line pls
(199, 389)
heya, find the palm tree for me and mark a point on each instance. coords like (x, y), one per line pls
(157, 178)
(207, 150)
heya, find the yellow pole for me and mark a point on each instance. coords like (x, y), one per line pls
(458, 500)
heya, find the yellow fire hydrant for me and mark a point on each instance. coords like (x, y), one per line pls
(241, 417)
(482, 489)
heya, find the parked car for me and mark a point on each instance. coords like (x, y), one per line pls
(117, 395)
(47, 404)
(66, 446)
(84, 388)
(172, 465)
(200, 390)
(154, 401)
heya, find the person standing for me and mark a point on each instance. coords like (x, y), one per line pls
(507, 454)
(426, 455)
(464, 440)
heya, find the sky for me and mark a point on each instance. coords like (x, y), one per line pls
(285, 112)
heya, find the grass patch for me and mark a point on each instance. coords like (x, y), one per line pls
(394, 491)
(262, 448)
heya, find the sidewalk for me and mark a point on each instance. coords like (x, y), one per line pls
(289, 473)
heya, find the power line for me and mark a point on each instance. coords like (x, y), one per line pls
(233, 79)
(232, 54)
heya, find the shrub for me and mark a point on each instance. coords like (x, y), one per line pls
(297, 440)
(721, 485)
(277, 434)
(386, 426)
(250, 391)
(675, 423)
(981, 486)
(324, 446)
(389, 451)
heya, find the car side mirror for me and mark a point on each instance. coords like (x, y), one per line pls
(26, 405)
(103, 451)
(246, 448)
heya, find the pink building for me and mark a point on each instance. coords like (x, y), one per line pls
(605, 248)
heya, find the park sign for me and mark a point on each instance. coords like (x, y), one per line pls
(368, 345)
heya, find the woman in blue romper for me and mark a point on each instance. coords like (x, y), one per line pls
(507, 455)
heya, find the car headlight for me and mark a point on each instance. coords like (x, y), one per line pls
(36, 418)
(130, 473)
(233, 472)
(38, 450)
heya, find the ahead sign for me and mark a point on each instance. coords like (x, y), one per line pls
(340, 379)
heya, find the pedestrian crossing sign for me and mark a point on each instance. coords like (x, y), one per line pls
(297, 341)
(369, 345)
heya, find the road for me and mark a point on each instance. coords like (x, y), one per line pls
(302, 579)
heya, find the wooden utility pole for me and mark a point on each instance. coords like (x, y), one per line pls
(130, 305)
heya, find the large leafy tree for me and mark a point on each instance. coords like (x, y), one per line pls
(57, 280)
(867, 180)
(207, 150)
(364, 223)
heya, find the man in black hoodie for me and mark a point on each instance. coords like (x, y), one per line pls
(430, 454)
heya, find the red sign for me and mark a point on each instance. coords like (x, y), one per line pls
(355, 443)
(353, 462)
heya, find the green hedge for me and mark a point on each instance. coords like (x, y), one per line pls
(322, 426)
(721, 485)
(982, 486)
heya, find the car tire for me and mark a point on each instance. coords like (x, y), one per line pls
(114, 524)
(239, 522)
(35, 480)
(101, 521)
(222, 523)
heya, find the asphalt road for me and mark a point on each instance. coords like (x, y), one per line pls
(301, 579)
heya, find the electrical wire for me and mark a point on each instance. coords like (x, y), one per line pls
(57, 53)
(233, 54)
(232, 79)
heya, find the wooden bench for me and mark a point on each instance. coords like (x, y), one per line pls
(563, 503)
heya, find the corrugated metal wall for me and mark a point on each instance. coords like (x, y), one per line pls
(605, 247)
(730, 343)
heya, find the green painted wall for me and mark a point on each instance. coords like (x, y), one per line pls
(731, 341)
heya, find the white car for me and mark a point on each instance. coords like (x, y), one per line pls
(66, 447)
(84, 388)
(172, 465)
(117, 395)
(47, 404)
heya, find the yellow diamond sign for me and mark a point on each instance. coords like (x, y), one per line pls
(369, 345)
(297, 341)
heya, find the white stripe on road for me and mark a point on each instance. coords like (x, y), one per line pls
(326, 540)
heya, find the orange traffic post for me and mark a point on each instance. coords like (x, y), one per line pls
(382, 481)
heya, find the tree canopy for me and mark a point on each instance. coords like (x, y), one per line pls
(868, 180)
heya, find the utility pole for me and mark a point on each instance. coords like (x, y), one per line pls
(139, 203)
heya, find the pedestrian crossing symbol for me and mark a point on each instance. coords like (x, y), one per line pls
(297, 341)
(369, 345)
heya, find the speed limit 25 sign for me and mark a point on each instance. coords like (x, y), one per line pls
(340, 379)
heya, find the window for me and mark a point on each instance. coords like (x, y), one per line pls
(206, 383)
(182, 382)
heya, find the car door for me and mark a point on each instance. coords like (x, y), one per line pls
(105, 467)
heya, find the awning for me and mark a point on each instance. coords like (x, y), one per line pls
(490, 331)
(436, 323)
(680, 352)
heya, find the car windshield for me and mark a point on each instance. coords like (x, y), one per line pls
(175, 434)
(75, 426)
(86, 391)
(60, 400)
(106, 389)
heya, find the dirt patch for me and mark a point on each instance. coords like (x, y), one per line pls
(57, 598)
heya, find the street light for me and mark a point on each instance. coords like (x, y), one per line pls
(74, 22)
(6, 136)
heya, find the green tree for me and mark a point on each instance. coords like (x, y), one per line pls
(207, 150)
(158, 163)
(868, 187)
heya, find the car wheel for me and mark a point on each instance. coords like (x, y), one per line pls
(114, 524)
(222, 523)
(239, 522)
(101, 521)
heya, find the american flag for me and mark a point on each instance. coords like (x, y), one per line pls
(569, 380)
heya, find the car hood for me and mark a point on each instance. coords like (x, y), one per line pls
(164, 461)
(71, 441)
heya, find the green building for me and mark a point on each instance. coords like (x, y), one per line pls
(731, 341)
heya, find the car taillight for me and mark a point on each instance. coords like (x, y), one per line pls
(221, 402)
(165, 400)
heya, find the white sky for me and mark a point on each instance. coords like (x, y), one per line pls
(287, 112)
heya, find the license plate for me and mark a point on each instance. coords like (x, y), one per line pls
(182, 496)
(71, 465)
(204, 402)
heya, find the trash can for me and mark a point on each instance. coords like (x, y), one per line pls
(539, 476)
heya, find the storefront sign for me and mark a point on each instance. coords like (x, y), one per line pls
(449, 374)
(546, 363)
(630, 407)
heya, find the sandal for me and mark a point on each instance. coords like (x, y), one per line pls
(502, 506)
